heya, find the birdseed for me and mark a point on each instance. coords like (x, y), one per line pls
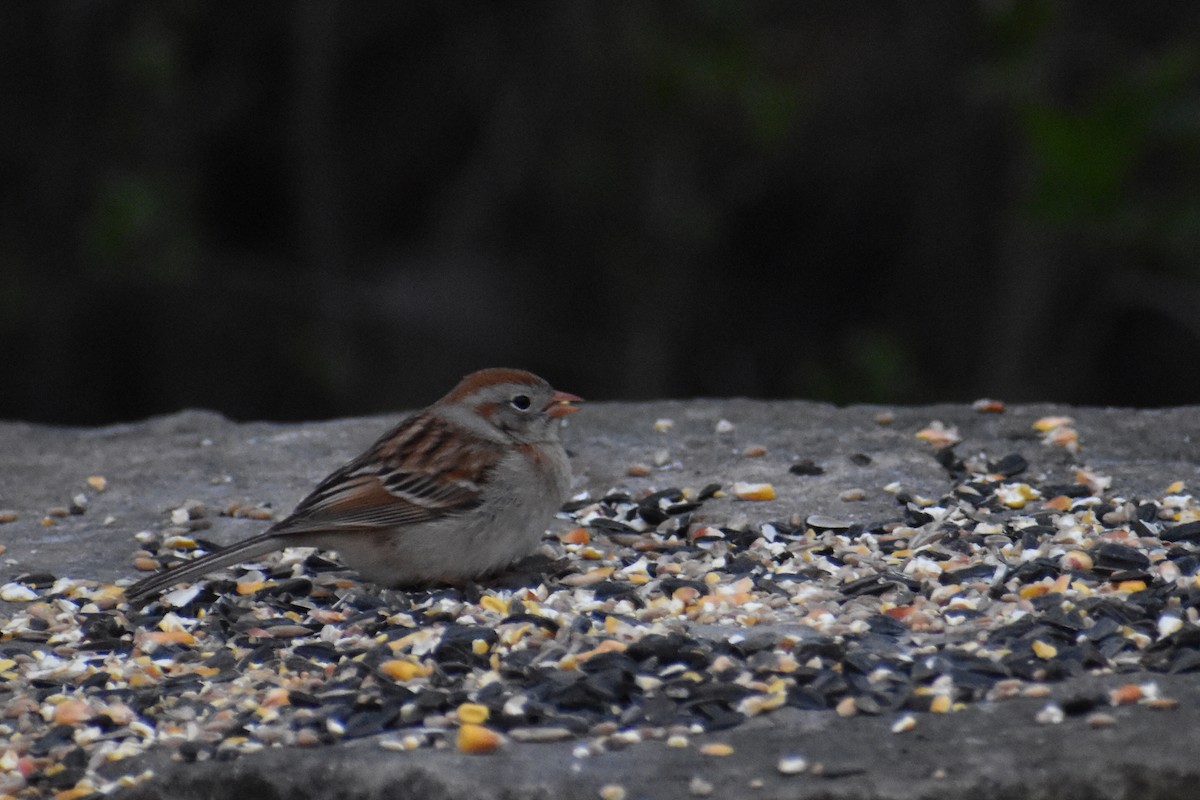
(792, 764)
(646, 623)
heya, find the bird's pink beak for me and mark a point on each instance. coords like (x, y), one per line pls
(561, 404)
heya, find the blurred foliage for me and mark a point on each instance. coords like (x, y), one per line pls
(326, 209)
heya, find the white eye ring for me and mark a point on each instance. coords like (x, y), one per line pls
(521, 402)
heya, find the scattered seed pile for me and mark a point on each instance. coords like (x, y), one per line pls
(642, 620)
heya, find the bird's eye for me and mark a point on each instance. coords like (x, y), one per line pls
(521, 402)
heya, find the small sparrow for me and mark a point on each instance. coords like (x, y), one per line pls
(458, 490)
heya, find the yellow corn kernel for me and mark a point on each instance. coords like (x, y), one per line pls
(478, 739)
(473, 713)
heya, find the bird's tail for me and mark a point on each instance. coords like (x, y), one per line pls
(140, 593)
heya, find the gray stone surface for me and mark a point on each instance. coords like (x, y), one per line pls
(985, 751)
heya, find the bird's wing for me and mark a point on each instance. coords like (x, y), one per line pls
(417, 472)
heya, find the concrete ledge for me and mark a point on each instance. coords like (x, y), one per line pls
(988, 750)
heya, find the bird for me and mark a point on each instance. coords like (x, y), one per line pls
(455, 492)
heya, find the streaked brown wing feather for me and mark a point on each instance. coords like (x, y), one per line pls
(412, 474)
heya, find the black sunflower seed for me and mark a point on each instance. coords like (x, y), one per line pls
(1072, 490)
(674, 648)
(456, 650)
(1010, 465)
(544, 622)
(57, 736)
(1082, 704)
(36, 580)
(950, 461)
(1185, 661)
(1120, 557)
(1188, 531)
(614, 525)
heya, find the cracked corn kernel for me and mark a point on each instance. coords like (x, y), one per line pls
(493, 603)
(1162, 703)
(473, 713)
(756, 704)
(612, 791)
(1043, 650)
(478, 739)
(587, 578)
(754, 491)
(717, 749)
(179, 543)
(402, 670)
(940, 704)
(605, 646)
(1125, 694)
(1067, 438)
(97, 482)
(575, 536)
(70, 712)
(1059, 502)
(1076, 560)
(1050, 423)
(988, 406)
(939, 435)
(171, 637)
(1096, 482)
(249, 587)
(846, 707)
(904, 724)
(1016, 495)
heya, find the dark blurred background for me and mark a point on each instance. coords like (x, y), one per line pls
(301, 210)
